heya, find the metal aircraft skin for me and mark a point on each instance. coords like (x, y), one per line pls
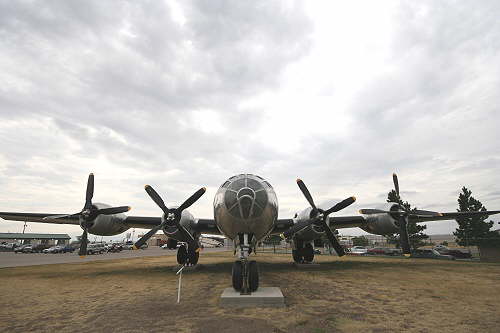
(245, 211)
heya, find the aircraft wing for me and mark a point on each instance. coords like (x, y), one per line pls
(206, 226)
(39, 217)
(337, 222)
(452, 216)
(282, 225)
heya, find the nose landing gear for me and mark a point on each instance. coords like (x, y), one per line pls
(245, 273)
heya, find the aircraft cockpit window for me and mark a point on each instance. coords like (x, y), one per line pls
(253, 184)
(226, 183)
(237, 184)
(235, 211)
(261, 198)
(268, 185)
(257, 211)
(230, 199)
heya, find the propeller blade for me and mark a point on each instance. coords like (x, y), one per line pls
(404, 239)
(396, 183)
(147, 236)
(341, 205)
(192, 199)
(83, 245)
(113, 210)
(425, 213)
(305, 191)
(90, 191)
(156, 198)
(297, 227)
(333, 240)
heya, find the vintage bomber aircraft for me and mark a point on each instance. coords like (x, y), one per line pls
(245, 211)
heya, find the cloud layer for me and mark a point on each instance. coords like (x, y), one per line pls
(186, 94)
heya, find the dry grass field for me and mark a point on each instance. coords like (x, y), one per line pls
(350, 294)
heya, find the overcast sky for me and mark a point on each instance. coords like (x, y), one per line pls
(185, 94)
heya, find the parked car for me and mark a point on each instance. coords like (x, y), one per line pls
(387, 251)
(128, 245)
(440, 247)
(53, 249)
(68, 248)
(95, 248)
(21, 247)
(38, 248)
(8, 246)
(114, 247)
(359, 250)
(457, 254)
(430, 254)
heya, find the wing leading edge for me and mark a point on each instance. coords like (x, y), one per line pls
(39, 217)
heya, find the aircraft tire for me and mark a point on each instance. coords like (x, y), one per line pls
(253, 276)
(237, 276)
(296, 256)
(193, 257)
(308, 252)
(182, 255)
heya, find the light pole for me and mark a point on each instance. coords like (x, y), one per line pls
(24, 228)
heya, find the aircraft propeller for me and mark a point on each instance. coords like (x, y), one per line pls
(172, 217)
(402, 217)
(89, 213)
(320, 218)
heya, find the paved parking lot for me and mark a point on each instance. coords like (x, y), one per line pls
(11, 259)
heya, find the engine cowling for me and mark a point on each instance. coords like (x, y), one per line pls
(187, 221)
(382, 224)
(311, 232)
(107, 225)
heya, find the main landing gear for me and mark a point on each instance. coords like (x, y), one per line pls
(303, 253)
(245, 273)
(187, 257)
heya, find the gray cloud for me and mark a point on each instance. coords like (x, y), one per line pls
(130, 92)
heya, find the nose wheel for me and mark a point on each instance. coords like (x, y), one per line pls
(245, 276)
(245, 272)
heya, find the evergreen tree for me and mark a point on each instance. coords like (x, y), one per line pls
(415, 231)
(360, 241)
(473, 230)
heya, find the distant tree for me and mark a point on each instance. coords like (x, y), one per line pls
(272, 240)
(415, 231)
(444, 243)
(474, 230)
(360, 241)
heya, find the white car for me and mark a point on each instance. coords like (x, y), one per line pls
(359, 250)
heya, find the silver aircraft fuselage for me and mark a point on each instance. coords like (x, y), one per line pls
(245, 204)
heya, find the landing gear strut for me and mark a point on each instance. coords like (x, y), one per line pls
(245, 273)
(187, 257)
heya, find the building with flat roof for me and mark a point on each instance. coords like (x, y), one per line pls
(32, 238)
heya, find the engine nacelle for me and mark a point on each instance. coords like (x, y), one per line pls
(382, 224)
(187, 221)
(311, 232)
(108, 225)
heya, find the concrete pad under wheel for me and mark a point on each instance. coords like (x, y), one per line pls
(306, 266)
(263, 297)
